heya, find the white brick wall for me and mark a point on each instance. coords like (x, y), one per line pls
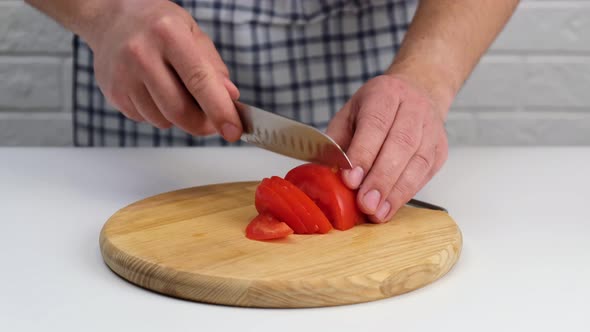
(532, 87)
(35, 78)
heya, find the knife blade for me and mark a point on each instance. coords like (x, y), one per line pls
(297, 140)
(290, 138)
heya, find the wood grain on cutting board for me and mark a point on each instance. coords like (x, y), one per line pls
(191, 244)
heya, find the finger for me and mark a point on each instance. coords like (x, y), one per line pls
(211, 52)
(442, 150)
(440, 157)
(234, 93)
(416, 173)
(401, 144)
(202, 79)
(174, 101)
(120, 100)
(144, 104)
(167, 33)
(373, 122)
(129, 110)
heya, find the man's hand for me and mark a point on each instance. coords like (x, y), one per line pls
(395, 137)
(153, 63)
(393, 127)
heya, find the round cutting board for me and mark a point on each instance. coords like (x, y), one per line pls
(190, 244)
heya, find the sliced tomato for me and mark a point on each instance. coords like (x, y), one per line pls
(278, 186)
(268, 201)
(325, 187)
(309, 213)
(267, 227)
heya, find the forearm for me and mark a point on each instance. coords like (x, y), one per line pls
(82, 17)
(446, 40)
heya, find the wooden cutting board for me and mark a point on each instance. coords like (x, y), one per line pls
(190, 244)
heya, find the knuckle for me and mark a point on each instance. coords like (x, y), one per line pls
(364, 155)
(136, 57)
(405, 138)
(402, 190)
(198, 78)
(199, 34)
(164, 28)
(117, 97)
(378, 120)
(222, 69)
(133, 48)
(176, 113)
(383, 174)
(422, 163)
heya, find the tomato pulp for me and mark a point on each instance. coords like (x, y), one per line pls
(267, 227)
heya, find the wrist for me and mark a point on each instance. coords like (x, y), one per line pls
(82, 17)
(94, 17)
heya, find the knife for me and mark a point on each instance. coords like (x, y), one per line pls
(297, 140)
(290, 138)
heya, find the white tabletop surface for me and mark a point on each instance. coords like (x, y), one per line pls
(524, 213)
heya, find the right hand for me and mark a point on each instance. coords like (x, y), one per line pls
(154, 64)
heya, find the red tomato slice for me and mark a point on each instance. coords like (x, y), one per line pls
(325, 187)
(295, 205)
(311, 215)
(268, 201)
(267, 227)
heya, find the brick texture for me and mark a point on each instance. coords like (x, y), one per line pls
(549, 26)
(531, 87)
(35, 129)
(30, 83)
(35, 78)
(496, 81)
(24, 30)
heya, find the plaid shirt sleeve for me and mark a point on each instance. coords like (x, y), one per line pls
(299, 58)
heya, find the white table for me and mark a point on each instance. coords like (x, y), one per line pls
(524, 213)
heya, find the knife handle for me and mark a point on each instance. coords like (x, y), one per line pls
(425, 205)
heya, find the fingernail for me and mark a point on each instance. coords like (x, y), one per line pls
(383, 211)
(371, 200)
(354, 177)
(230, 132)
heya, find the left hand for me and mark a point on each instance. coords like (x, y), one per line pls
(393, 132)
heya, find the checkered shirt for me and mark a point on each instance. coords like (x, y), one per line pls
(299, 58)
